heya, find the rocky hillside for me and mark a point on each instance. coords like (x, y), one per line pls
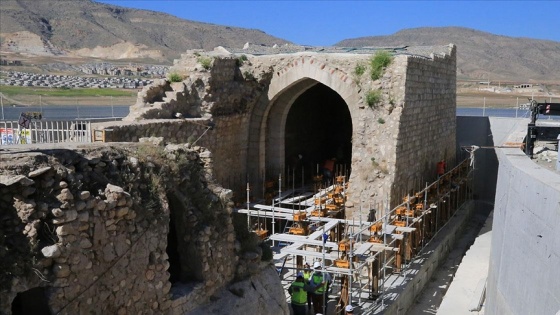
(87, 28)
(480, 55)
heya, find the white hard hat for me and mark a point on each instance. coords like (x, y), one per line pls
(349, 308)
(316, 265)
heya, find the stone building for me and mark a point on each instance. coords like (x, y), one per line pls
(266, 109)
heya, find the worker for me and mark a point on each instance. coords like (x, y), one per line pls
(306, 278)
(328, 170)
(349, 310)
(441, 168)
(319, 283)
(371, 215)
(298, 291)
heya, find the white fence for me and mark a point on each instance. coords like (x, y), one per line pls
(45, 132)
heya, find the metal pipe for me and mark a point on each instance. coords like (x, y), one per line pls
(248, 210)
(325, 300)
(351, 277)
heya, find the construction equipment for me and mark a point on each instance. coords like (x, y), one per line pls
(540, 132)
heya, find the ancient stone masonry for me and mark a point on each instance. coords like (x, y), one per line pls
(244, 102)
(427, 122)
(133, 229)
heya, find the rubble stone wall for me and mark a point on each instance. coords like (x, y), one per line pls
(91, 226)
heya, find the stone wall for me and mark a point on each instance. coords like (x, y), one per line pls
(91, 226)
(427, 122)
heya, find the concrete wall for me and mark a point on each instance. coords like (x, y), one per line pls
(524, 274)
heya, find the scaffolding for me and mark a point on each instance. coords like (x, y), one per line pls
(362, 256)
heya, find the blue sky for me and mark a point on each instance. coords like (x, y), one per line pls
(324, 23)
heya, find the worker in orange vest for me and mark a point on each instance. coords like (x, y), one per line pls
(441, 168)
(328, 170)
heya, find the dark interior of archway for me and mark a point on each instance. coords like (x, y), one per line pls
(185, 261)
(32, 301)
(319, 127)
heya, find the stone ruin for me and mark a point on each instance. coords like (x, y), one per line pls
(264, 109)
(126, 229)
(136, 230)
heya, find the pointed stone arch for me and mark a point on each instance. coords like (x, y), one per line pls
(268, 122)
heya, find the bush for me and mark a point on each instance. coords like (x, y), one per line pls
(248, 75)
(240, 60)
(373, 97)
(381, 120)
(359, 69)
(206, 62)
(175, 77)
(381, 60)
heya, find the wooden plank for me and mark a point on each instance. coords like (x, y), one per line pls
(405, 229)
(278, 209)
(305, 253)
(365, 224)
(337, 270)
(283, 254)
(298, 198)
(267, 214)
(284, 194)
(319, 232)
(303, 240)
(321, 193)
(363, 248)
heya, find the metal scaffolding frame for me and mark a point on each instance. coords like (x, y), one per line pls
(384, 247)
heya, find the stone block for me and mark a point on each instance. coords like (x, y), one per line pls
(52, 251)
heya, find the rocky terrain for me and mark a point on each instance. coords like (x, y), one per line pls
(87, 28)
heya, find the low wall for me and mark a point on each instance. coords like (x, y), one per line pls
(524, 277)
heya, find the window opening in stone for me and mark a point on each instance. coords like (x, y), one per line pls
(33, 301)
(318, 128)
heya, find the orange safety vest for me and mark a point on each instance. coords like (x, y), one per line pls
(329, 165)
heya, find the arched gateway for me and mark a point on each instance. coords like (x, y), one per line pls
(309, 111)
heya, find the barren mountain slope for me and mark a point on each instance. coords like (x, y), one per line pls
(481, 55)
(84, 24)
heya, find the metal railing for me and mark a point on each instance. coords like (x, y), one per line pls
(41, 131)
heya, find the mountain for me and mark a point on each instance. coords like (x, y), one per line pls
(87, 28)
(480, 55)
